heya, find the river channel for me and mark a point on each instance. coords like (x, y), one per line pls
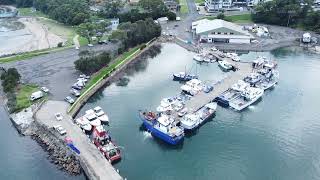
(276, 138)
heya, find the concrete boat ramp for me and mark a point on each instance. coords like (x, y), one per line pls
(95, 165)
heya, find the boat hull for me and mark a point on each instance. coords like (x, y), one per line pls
(240, 108)
(155, 132)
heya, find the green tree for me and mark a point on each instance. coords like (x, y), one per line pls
(86, 30)
(221, 16)
(112, 8)
(171, 16)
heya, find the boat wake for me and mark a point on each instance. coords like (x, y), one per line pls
(252, 107)
(146, 135)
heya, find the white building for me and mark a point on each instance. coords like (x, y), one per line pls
(220, 31)
(217, 5)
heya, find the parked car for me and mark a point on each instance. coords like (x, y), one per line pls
(44, 89)
(69, 99)
(82, 79)
(75, 86)
(90, 45)
(58, 116)
(75, 92)
(60, 130)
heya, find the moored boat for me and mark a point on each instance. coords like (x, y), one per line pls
(84, 123)
(92, 117)
(192, 87)
(106, 146)
(198, 58)
(183, 76)
(248, 97)
(226, 66)
(194, 120)
(162, 127)
(101, 115)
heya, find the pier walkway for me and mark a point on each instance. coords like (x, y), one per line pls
(203, 98)
(95, 165)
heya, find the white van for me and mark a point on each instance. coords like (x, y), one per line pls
(36, 95)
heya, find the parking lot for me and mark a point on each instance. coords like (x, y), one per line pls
(55, 70)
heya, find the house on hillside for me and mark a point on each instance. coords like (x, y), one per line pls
(172, 5)
(220, 31)
(217, 5)
(114, 23)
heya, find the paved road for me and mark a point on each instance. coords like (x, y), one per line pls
(55, 70)
(97, 164)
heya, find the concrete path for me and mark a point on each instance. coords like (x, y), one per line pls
(97, 166)
(76, 41)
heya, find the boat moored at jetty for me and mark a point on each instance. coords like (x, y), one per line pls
(226, 66)
(194, 120)
(162, 127)
(106, 146)
(92, 117)
(101, 115)
(253, 78)
(84, 123)
(198, 58)
(183, 76)
(232, 93)
(247, 97)
(192, 87)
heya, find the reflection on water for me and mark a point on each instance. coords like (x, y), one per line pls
(276, 138)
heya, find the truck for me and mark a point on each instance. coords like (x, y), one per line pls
(36, 95)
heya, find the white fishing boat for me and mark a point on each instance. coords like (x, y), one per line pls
(198, 58)
(183, 112)
(236, 58)
(192, 87)
(101, 115)
(84, 123)
(207, 111)
(225, 65)
(93, 118)
(240, 86)
(249, 96)
(192, 121)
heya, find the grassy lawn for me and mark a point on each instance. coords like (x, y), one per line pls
(199, 1)
(23, 94)
(184, 7)
(29, 12)
(107, 70)
(243, 18)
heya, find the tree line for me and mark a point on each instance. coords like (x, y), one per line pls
(10, 80)
(90, 63)
(145, 9)
(288, 13)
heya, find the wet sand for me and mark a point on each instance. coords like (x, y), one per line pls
(34, 36)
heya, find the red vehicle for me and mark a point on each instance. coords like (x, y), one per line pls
(104, 143)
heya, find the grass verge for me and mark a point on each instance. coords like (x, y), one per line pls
(199, 1)
(183, 7)
(243, 18)
(28, 55)
(106, 71)
(23, 94)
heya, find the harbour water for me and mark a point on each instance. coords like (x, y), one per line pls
(276, 138)
(22, 158)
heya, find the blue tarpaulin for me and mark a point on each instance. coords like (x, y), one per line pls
(74, 148)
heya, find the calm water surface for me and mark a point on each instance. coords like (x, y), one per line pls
(276, 138)
(22, 158)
